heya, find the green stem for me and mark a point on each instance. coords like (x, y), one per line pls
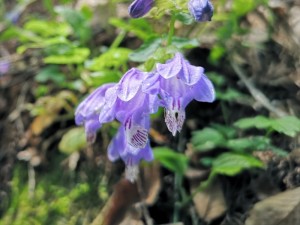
(171, 29)
(118, 39)
(177, 185)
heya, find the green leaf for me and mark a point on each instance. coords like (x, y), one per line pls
(207, 139)
(48, 28)
(216, 53)
(249, 143)
(185, 18)
(229, 95)
(231, 164)
(227, 131)
(72, 141)
(185, 43)
(74, 56)
(176, 162)
(113, 58)
(259, 122)
(96, 79)
(140, 27)
(146, 50)
(78, 21)
(50, 73)
(289, 125)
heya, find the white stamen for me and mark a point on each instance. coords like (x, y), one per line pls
(131, 172)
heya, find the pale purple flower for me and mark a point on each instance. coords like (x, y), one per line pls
(202, 10)
(139, 8)
(4, 67)
(132, 107)
(87, 112)
(119, 148)
(180, 83)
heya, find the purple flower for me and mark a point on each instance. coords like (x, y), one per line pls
(87, 112)
(4, 67)
(119, 148)
(139, 8)
(180, 83)
(132, 107)
(202, 10)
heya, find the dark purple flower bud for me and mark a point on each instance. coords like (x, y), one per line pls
(202, 10)
(139, 8)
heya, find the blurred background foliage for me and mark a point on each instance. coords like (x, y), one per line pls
(53, 53)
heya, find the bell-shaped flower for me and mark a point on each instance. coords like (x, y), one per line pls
(139, 8)
(87, 112)
(202, 10)
(127, 103)
(119, 148)
(180, 83)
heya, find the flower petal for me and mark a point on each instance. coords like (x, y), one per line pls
(92, 104)
(174, 120)
(136, 136)
(117, 145)
(171, 68)
(204, 90)
(130, 84)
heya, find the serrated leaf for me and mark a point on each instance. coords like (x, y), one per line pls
(174, 161)
(77, 20)
(207, 139)
(50, 73)
(113, 58)
(248, 143)
(185, 43)
(96, 79)
(47, 28)
(72, 141)
(231, 164)
(140, 27)
(288, 125)
(74, 56)
(145, 51)
(260, 122)
(229, 95)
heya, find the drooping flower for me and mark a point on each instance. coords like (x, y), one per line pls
(202, 10)
(180, 83)
(119, 148)
(127, 103)
(87, 112)
(139, 8)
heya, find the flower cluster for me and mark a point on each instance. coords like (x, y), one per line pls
(201, 10)
(134, 98)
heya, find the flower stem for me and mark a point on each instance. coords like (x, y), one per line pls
(171, 29)
(118, 39)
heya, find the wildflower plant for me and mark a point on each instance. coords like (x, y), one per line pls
(171, 84)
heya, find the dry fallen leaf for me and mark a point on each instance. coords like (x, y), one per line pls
(40, 123)
(210, 203)
(119, 209)
(123, 197)
(280, 209)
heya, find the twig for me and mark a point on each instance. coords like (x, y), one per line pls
(257, 94)
(31, 180)
(145, 211)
